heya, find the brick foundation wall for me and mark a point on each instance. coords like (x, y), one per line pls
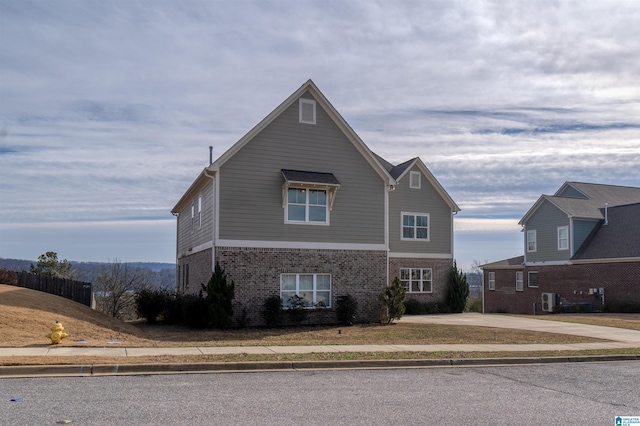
(200, 270)
(621, 283)
(256, 274)
(440, 273)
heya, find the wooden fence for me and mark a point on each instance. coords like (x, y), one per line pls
(78, 291)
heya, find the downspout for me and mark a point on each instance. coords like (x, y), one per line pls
(389, 188)
(213, 215)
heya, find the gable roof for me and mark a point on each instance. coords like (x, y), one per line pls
(587, 208)
(618, 239)
(308, 86)
(511, 263)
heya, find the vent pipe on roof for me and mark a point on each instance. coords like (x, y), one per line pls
(210, 155)
(606, 213)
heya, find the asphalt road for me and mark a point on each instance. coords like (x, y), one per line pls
(567, 394)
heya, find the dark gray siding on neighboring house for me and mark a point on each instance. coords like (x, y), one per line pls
(188, 239)
(546, 221)
(581, 230)
(423, 200)
(251, 184)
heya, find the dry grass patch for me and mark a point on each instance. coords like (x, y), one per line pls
(628, 321)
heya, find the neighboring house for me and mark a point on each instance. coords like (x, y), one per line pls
(300, 205)
(581, 248)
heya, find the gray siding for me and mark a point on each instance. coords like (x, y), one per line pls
(571, 192)
(251, 184)
(581, 230)
(423, 200)
(188, 239)
(546, 221)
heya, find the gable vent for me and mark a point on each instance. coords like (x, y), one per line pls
(307, 111)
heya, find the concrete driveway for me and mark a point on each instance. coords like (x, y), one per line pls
(508, 321)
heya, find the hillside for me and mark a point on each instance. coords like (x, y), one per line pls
(26, 316)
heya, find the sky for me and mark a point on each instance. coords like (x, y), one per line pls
(107, 109)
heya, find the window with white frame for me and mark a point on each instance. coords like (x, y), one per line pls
(199, 211)
(314, 289)
(417, 280)
(415, 226)
(307, 111)
(414, 180)
(492, 280)
(519, 281)
(193, 217)
(305, 205)
(532, 279)
(532, 242)
(563, 238)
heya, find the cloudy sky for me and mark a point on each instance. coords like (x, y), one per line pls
(107, 109)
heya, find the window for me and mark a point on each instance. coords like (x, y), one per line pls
(307, 111)
(563, 238)
(415, 280)
(533, 279)
(415, 226)
(307, 205)
(532, 244)
(492, 280)
(519, 281)
(199, 211)
(314, 289)
(193, 217)
(414, 180)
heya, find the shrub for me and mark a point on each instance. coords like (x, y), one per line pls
(297, 311)
(174, 311)
(392, 302)
(621, 307)
(219, 297)
(195, 312)
(346, 307)
(272, 311)
(415, 307)
(150, 303)
(8, 277)
(458, 289)
(474, 304)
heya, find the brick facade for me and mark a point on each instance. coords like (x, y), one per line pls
(194, 270)
(256, 274)
(572, 284)
(440, 273)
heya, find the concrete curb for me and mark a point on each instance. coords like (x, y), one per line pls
(234, 367)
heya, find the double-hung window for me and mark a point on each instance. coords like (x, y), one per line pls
(416, 280)
(199, 211)
(519, 281)
(492, 280)
(314, 289)
(563, 238)
(306, 205)
(532, 243)
(532, 279)
(193, 217)
(415, 226)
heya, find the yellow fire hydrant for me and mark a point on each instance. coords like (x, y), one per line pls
(57, 333)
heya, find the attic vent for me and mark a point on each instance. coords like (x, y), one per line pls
(307, 111)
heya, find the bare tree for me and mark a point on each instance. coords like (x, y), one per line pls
(116, 285)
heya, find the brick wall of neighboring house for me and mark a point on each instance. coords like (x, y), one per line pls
(440, 272)
(572, 284)
(256, 273)
(194, 270)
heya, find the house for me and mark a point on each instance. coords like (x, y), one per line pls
(581, 249)
(300, 205)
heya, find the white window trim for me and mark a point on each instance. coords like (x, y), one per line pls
(421, 280)
(519, 281)
(402, 237)
(193, 217)
(417, 176)
(529, 279)
(535, 241)
(306, 211)
(302, 102)
(315, 287)
(492, 280)
(199, 211)
(565, 228)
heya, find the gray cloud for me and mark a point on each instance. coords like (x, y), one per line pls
(108, 107)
